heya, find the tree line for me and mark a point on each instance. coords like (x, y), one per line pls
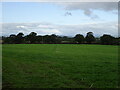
(33, 38)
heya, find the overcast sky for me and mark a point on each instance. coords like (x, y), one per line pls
(60, 18)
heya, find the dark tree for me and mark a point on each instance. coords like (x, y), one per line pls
(90, 38)
(12, 39)
(50, 39)
(107, 39)
(31, 38)
(79, 38)
(19, 38)
(9, 40)
(46, 39)
(116, 41)
(53, 38)
(39, 39)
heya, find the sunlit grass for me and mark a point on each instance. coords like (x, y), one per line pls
(60, 65)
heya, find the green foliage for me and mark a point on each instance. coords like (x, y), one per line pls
(79, 38)
(108, 39)
(89, 37)
(19, 38)
(32, 38)
(59, 66)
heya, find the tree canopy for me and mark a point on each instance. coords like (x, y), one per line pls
(79, 38)
(33, 38)
(90, 37)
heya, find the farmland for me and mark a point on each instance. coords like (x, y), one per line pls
(59, 66)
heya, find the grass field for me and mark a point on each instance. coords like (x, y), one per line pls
(60, 66)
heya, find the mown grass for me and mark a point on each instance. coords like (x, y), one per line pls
(60, 66)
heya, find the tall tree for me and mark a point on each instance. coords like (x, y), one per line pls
(19, 38)
(90, 37)
(11, 39)
(53, 38)
(79, 38)
(31, 37)
(107, 39)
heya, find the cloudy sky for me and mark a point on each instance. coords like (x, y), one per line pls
(60, 18)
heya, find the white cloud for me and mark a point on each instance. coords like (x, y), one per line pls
(49, 32)
(20, 27)
(45, 26)
(69, 30)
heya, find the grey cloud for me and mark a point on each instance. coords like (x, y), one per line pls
(88, 7)
(107, 6)
(87, 12)
(68, 30)
(90, 14)
(68, 14)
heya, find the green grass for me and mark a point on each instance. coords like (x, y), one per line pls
(60, 66)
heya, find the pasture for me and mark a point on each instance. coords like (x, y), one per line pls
(59, 66)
